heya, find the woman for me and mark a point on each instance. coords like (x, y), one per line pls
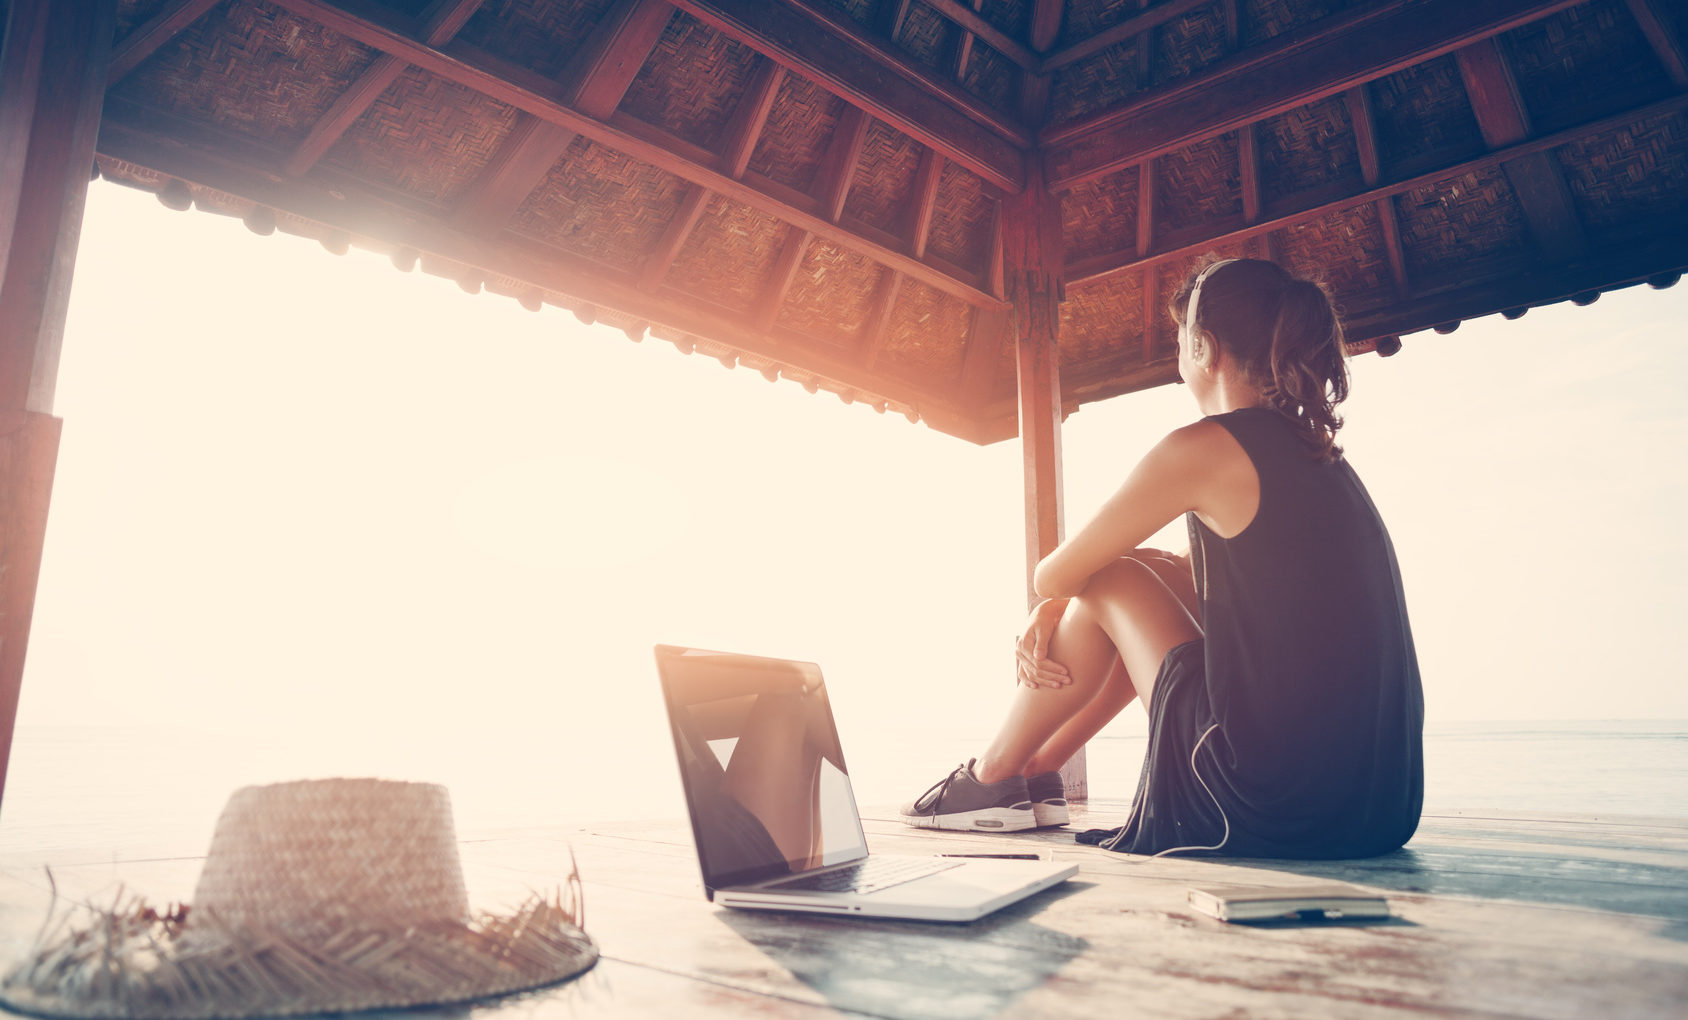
(1276, 663)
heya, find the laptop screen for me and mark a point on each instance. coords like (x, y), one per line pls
(760, 761)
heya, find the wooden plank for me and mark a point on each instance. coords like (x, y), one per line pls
(146, 38)
(1248, 161)
(673, 239)
(1147, 206)
(443, 21)
(367, 213)
(830, 49)
(472, 68)
(1045, 26)
(1159, 14)
(29, 448)
(597, 78)
(1365, 133)
(889, 17)
(62, 49)
(53, 59)
(1297, 68)
(786, 264)
(749, 117)
(988, 332)
(879, 317)
(1390, 224)
(838, 168)
(1151, 311)
(1536, 180)
(345, 111)
(1303, 208)
(924, 200)
(1659, 36)
(968, 19)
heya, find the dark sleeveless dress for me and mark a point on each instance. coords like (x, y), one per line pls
(1294, 727)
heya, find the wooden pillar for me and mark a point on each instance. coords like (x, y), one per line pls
(52, 81)
(1032, 267)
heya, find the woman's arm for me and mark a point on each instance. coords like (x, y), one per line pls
(1199, 467)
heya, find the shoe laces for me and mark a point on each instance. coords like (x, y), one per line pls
(942, 786)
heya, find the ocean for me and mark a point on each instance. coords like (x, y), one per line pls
(89, 794)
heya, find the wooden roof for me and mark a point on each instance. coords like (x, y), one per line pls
(813, 189)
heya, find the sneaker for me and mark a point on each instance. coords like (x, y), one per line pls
(961, 802)
(1049, 798)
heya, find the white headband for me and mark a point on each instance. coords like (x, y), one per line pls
(1188, 330)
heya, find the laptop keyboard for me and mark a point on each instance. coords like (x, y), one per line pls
(868, 875)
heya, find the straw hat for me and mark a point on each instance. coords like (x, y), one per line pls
(324, 896)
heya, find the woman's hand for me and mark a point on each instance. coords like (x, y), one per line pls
(1033, 667)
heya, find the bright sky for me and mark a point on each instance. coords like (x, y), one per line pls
(309, 495)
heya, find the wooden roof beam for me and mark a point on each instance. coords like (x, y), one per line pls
(146, 38)
(442, 21)
(879, 317)
(1664, 43)
(1364, 124)
(924, 201)
(1159, 14)
(383, 29)
(966, 17)
(661, 258)
(786, 264)
(962, 52)
(595, 81)
(838, 167)
(750, 117)
(1536, 180)
(829, 48)
(1338, 53)
(1297, 209)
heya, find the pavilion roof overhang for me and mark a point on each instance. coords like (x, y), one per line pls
(814, 189)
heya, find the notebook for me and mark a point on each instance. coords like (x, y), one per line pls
(1306, 902)
(773, 814)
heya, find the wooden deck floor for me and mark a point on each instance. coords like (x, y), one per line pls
(1497, 916)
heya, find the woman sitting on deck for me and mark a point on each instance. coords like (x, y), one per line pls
(1276, 663)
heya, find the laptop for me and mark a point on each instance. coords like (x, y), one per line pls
(774, 817)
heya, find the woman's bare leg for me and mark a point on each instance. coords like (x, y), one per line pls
(1112, 639)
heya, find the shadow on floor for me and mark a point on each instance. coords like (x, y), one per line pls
(916, 969)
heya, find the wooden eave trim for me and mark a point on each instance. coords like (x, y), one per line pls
(146, 38)
(833, 51)
(1612, 269)
(1297, 209)
(1667, 47)
(1123, 372)
(968, 19)
(1338, 53)
(475, 69)
(1113, 35)
(398, 225)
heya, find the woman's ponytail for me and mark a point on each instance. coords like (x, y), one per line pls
(1308, 369)
(1284, 333)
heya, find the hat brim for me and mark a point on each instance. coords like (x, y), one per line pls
(136, 965)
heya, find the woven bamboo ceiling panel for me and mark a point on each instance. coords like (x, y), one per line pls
(813, 189)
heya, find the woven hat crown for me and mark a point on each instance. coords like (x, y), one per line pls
(297, 855)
